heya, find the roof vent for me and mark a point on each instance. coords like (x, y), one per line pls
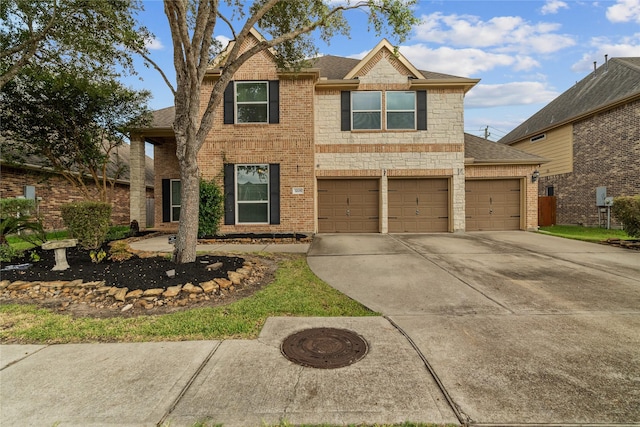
(594, 69)
(606, 63)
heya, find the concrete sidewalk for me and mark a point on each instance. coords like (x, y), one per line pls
(161, 244)
(235, 382)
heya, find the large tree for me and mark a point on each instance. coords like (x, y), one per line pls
(289, 27)
(71, 124)
(94, 33)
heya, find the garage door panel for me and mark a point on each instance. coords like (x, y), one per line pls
(418, 205)
(492, 205)
(348, 206)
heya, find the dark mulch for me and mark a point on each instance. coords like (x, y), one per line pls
(134, 273)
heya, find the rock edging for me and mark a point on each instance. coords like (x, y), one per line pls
(98, 295)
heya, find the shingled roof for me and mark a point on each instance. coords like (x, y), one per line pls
(336, 67)
(119, 156)
(612, 83)
(480, 150)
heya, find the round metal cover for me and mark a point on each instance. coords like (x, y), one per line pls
(324, 348)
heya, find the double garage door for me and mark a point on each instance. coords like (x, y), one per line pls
(353, 205)
(493, 205)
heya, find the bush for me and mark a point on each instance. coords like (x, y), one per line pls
(11, 207)
(626, 209)
(211, 208)
(17, 225)
(88, 222)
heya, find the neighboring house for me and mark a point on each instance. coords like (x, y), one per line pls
(591, 136)
(29, 178)
(372, 145)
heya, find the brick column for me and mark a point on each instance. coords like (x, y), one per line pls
(137, 185)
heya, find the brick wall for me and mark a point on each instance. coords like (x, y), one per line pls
(606, 151)
(56, 191)
(288, 143)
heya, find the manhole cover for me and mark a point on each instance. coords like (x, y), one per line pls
(324, 348)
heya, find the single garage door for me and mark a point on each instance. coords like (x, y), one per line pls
(493, 205)
(348, 206)
(418, 205)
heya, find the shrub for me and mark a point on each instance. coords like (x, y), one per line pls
(626, 209)
(14, 225)
(119, 251)
(211, 208)
(7, 253)
(88, 222)
(13, 207)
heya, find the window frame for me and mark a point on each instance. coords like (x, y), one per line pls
(414, 111)
(239, 202)
(172, 206)
(353, 111)
(237, 103)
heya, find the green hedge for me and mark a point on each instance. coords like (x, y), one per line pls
(626, 209)
(11, 207)
(88, 222)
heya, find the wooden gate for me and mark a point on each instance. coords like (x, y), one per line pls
(546, 211)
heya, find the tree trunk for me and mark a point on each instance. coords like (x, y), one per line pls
(187, 237)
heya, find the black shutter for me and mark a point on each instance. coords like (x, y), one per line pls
(229, 194)
(274, 101)
(421, 112)
(166, 200)
(274, 193)
(229, 105)
(345, 110)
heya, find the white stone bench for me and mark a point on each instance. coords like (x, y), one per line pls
(60, 247)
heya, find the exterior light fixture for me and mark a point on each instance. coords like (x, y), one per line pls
(535, 175)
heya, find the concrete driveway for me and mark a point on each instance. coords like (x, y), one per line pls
(517, 327)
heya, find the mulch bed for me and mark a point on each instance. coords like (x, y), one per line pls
(134, 273)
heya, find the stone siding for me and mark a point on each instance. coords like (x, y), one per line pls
(606, 151)
(55, 191)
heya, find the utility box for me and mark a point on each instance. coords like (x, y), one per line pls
(601, 195)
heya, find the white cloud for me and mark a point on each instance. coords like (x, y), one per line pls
(503, 33)
(624, 47)
(463, 62)
(509, 94)
(553, 6)
(624, 11)
(153, 43)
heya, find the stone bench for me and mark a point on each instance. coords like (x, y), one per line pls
(60, 247)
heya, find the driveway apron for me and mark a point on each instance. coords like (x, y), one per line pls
(517, 327)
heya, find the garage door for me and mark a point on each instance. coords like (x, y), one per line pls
(418, 205)
(348, 206)
(493, 205)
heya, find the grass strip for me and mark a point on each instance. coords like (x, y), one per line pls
(296, 291)
(587, 234)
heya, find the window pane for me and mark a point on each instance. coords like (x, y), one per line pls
(401, 100)
(253, 182)
(175, 192)
(366, 100)
(251, 192)
(251, 92)
(253, 212)
(366, 120)
(175, 213)
(252, 113)
(401, 121)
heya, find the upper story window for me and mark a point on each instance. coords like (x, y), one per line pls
(401, 110)
(252, 102)
(366, 110)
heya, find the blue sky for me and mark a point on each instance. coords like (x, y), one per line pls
(526, 53)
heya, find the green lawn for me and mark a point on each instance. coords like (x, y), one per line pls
(296, 291)
(589, 234)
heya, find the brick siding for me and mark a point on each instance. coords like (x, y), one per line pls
(56, 191)
(606, 151)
